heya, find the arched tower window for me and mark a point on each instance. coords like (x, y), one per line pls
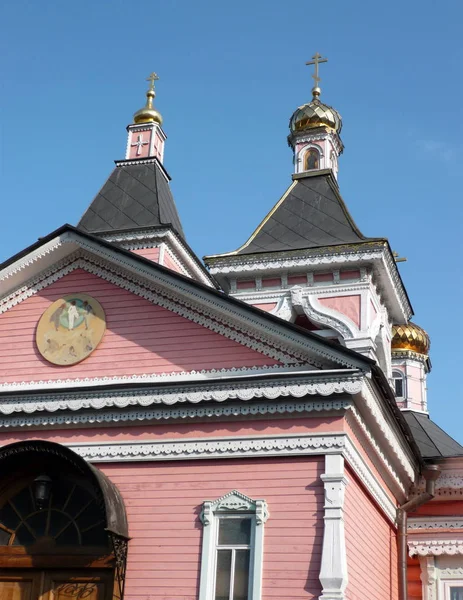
(312, 159)
(399, 384)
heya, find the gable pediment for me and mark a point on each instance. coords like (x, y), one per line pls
(192, 330)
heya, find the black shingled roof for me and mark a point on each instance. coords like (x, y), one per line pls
(135, 195)
(432, 441)
(312, 215)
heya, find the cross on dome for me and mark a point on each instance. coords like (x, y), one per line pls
(316, 60)
(152, 78)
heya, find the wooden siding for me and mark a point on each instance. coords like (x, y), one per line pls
(415, 587)
(149, 253)
(149, 432)
(371, 547)
(163, 501)
(140, 338)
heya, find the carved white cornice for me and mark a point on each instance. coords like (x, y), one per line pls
(264, 446)
(234, 390)
(415, 524)
(435, 547)
(375, 408)
(147, 414)
(449, 484)
(387, 278)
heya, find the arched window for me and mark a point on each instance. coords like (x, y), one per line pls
(64, 513)
(312, 159)
(399, 384)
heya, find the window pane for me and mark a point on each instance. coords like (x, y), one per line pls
(456, 593)
(234, 531)
(399, 388)
(240, 588)
(222, 581)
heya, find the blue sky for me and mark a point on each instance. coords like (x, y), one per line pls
(231, 74)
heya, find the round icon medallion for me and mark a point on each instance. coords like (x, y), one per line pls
(70, 329)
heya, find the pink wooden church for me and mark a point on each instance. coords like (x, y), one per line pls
(252, 429)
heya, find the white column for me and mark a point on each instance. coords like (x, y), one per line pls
(428, 577)
(333, 570)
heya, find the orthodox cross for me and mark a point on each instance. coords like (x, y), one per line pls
(316, 60)
(139, 144)
(152, 78)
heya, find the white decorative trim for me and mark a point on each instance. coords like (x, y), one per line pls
(353, 415)
(415, 524)
(280, 445)
(205, 392)
(449, 484)
(435, 547)
(333, 569)
(377, 411)
(322, 315)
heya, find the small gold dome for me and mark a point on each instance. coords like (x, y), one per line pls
(315, 114)
(148, 114)
(410, 337)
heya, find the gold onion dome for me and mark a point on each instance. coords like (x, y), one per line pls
(148, 114)
(410, 337)
(315, 114)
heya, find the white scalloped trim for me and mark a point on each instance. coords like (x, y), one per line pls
(435, 547)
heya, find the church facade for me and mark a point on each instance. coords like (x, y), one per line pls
(250, 427)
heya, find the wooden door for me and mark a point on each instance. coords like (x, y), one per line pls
(55, 585)
(19, 585)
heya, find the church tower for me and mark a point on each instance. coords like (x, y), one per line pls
(315, 131)
(135, 208)
(307, 261)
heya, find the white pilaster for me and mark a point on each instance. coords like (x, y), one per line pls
(428, 577)
(333, 570)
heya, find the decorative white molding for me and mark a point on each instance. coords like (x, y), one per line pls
(354, 418)
(333, 569)
(415, 524)
(435, 547)
(448, 485)
(234, 390)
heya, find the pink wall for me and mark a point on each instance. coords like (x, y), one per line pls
(266, 306)
(171, 264)
(140, 338)
(163, 501)
(319, 277)
(271, 282)
(371, 547)
(149, 253)
(347, 305)
(168, 431)
(297, 279)
(143, 151)
(246, 284)
(349, 275)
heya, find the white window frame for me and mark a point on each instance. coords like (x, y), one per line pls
(233, 504)
(397, 374)
(446, 586)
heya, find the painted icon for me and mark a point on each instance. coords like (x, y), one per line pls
(70, 329)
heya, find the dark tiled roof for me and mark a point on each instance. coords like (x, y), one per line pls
(432, 441)
(312, 215)
(135, 195)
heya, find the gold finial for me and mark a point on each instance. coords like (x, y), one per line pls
(316, 60)
(148, 114)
